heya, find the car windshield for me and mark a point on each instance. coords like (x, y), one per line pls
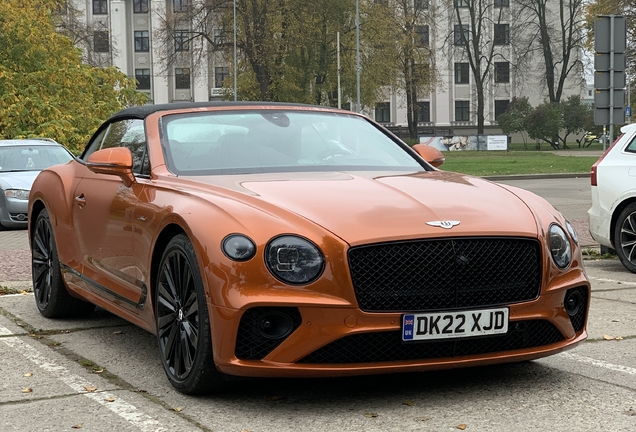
(267, 141)
(31, 157)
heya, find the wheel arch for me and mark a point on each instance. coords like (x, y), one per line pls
(37, 207)
(168, 233)
(617, 211)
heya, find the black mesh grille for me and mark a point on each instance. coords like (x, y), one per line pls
(578, 320)
(250, 343)
(388, 346)
(445, 273)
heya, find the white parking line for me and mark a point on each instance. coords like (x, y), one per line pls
(120, 407)
(599, 363)
(620, 282)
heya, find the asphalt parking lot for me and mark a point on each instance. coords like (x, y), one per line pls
(103, 374)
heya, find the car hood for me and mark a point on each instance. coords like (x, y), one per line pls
(363, 207)
(18, 179)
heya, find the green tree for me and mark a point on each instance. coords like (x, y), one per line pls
(545, 122)
(514, 119)
(45, 89)
(400, 31)
(575, 115)
(286, 49)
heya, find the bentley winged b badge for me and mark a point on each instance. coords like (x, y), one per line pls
(443, 224)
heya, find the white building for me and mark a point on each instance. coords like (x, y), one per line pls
(125, 33)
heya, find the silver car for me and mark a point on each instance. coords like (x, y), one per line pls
(21, 160)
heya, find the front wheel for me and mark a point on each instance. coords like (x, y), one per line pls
(625, 237)
(51, 296)
(183, 324)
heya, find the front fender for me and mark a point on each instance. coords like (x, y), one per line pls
(53, 189)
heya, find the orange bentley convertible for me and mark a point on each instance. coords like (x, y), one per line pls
(261, 239)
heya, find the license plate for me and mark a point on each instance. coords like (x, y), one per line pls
(456, 324)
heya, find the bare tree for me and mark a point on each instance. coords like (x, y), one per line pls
(481, 32)
(92, 38)
(555, 30)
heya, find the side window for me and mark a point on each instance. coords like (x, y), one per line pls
(631, 147)
(95, 144)
(125, 133)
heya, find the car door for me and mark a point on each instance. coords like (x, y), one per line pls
(103, 214)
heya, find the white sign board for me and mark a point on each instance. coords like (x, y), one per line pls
(497, 142)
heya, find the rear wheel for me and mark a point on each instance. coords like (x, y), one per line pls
(625, 237)
(51, 296)
(183, 324)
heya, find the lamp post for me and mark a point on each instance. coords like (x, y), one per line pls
(235, 94)
(357, 57)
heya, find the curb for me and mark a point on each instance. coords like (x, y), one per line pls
(536, 176)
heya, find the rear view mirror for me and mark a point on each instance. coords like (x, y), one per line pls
(113, 161)
(430, 154)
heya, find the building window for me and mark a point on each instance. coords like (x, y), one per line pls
(143, 76)
(461, 73)
(421, 35)
(500, 107)
(461, 34)
(502, 34)
(181, 40)
(100, 7)
(219, 37)
(462, 3)
(180, 5)
(140, 6)
(423, 112)
(502, 3)
(502, 72)
(462, 110)
(220, 75)
(182, 78)
(421, 4)
(383, 112)
(101, 43)
(142, 41)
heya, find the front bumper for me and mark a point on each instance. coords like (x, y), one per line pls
(331, 341)
(13, 212)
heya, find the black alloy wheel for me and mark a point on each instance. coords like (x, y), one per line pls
(183, 325)
(625, 237)
(51, 296)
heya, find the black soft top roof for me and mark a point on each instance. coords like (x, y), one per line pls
(141, 112)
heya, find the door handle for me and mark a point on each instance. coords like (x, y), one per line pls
(80, 200)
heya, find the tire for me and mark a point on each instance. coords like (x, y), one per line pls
(51, 296)
(625, 237)
(183, 323)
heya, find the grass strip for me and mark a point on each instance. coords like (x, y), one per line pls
(481, 163)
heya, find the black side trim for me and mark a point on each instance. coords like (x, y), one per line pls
(144, 293)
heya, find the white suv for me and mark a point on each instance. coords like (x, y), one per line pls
(612, 218)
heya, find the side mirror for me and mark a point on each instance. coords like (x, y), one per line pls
(113, 161)
(430, 154)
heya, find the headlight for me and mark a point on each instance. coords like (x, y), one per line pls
(571, 231)
(294, 260)
(238, 247)
(559, 246)
(20, 194)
